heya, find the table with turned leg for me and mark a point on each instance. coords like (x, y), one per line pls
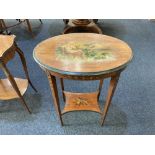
(82, 56)
(81, 25)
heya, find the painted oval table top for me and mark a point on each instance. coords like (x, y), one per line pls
(82, 54)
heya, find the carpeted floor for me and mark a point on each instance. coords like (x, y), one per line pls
(133, 106)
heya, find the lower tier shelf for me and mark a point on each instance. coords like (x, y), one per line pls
(6, 90)
(81, 101)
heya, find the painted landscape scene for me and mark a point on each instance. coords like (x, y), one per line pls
(83, 51)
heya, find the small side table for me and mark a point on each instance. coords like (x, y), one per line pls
(81, 25)
(12, 87)
(4, 28)
(82, 56)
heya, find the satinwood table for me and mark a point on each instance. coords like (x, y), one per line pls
(82, 56)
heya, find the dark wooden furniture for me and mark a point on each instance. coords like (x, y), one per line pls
(81, 25)
(82, 56)
(11, 87)
(4, 27)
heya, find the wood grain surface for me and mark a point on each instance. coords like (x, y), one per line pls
(6, 42)
(7, 91)
(79, 53)
(81, 101)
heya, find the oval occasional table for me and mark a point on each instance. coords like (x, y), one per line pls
(82, 56)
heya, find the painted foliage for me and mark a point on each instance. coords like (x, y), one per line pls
(83, 51)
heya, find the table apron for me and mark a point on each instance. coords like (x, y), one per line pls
(84, 77)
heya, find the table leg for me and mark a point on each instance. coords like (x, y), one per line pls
(100, 88)
(62, 88)
(22, 57)
(54, 90)
(40, 21)
(29, 27)
(111, 90)
(14, 85)
(3, 25)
